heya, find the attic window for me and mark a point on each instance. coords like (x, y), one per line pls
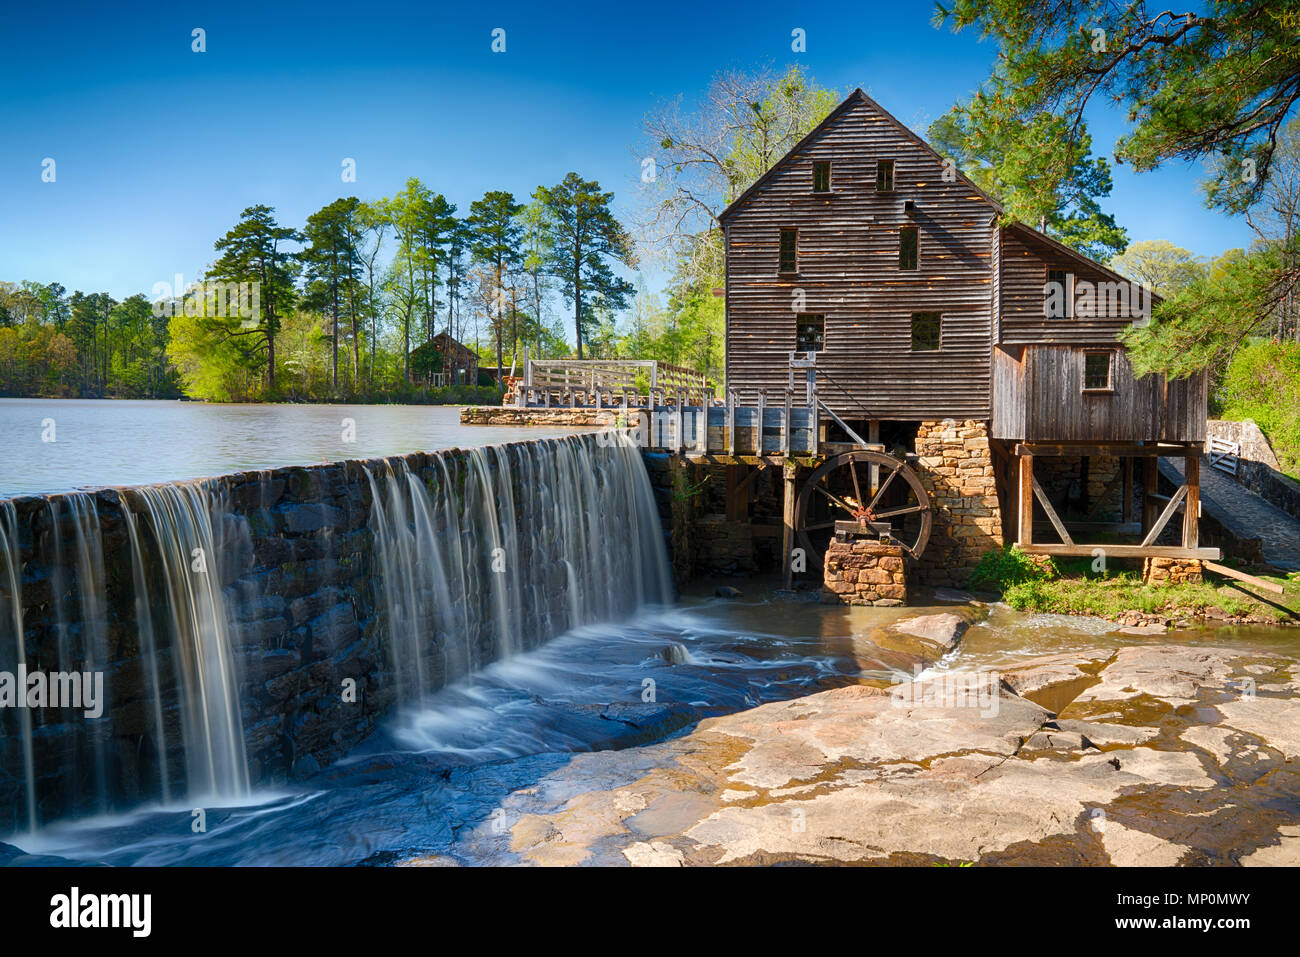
(909, 241)
(810, 331)
(1096, 372)
(1058, 294)
(926, 331)
(789, 247)
(884, 176)
(822, 176)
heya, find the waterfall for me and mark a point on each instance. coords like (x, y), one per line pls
(507, 546)
(180, 520)
(252, 599)
(12, 581)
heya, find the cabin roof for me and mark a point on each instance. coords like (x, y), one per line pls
(857, 97)
(853, 99)
(1064, 250)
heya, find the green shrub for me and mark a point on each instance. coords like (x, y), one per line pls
(1004, 567)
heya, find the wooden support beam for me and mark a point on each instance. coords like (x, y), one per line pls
(785, 423)
(1242, 576)
(1163, 520)
(731, 422)
(1126, 495)
(787, 522)
(1025, 532)
(1051, 512)
(873, 470)
(762, 411)
(1074, 450)
(1126, 551)
(1150, 484)
(1192, 512)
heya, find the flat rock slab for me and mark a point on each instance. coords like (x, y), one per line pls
(950, 767)
(927, 635)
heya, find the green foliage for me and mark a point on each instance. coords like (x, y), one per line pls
(1001, 568)
(1263, 383)
(1206, 321)
(583, 239)
(1159, 265)
(1217, 81)
(1041, 171)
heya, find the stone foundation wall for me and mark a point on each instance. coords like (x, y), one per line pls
(864, 572)
(544, 418)
(1171, 571)
(956, 467)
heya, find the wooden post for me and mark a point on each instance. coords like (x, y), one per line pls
(1025, 533)
(785, 423)
(1150, 483)
(787, 522)
(1192, 504)
(731, 422)
(679, 421)
(762, 409)
(873, 470)
(1126, 506)
(702, 426)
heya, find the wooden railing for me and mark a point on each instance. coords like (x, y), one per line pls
(577, 376)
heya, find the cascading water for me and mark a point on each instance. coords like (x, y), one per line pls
(223, 613)
(508, 546)
(180, 520)
(12, 579)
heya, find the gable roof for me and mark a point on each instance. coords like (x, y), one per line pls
(859, 97)
(855, 98)
(1077, 256)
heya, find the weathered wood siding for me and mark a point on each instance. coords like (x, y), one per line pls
(1041, 399)
(1008, 393)
(1025, 260)
(848, 271)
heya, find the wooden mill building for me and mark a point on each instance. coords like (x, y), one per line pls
(984, 351)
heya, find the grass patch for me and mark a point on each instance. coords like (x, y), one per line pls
(1027, 583)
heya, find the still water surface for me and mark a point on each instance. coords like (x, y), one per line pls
(100, 442)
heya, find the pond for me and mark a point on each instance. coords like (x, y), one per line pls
(54, 445)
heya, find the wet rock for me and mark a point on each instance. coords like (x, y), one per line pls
(726, 591)
(928, 634)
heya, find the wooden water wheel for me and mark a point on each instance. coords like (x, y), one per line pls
(839, 492)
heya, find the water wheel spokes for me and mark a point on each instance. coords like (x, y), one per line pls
(899, 506)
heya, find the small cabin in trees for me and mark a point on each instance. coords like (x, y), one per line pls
(927, 315)
(442, 361)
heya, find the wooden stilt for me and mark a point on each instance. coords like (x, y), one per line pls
(1150, 484)
(1025, 532)
(787, 522)
(1192, 504)
(1126, 495)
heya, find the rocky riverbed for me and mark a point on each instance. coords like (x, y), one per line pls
(1147, 754)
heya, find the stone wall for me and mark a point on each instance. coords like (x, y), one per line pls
(543, 417)
(1258, 467)
(864, 572)
(956, 467)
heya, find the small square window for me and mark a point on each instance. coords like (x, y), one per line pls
(926, 331)
(822, 176)
(810, 332)
(884, 176)
(1058, 294)
(909, 241)
(1096, 371)
(789, 249)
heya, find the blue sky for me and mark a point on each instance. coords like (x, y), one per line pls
(158, 148)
